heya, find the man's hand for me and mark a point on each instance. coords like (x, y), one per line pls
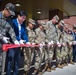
(28, 43)
(63, 44)
(52, 42)
(58, 44)
(41, 45)
(22, 41)
(16, 42)
(5, 39)
(74, 43)
(49, 44)
(70, 43)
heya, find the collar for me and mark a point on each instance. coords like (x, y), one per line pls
(2, 17)
(18, 22)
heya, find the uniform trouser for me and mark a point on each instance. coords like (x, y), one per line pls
(41, 56)
(13, 54)
(28, 57)
(58, 55)
(43, 53)
(32, 54)
(64, 53)
(26, 52)
(50, 54)
(46, 54)
(70, 52)
(37, 58)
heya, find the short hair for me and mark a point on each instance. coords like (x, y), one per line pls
(22, 13)
(74, 28)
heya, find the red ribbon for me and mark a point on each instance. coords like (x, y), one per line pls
(5, 47)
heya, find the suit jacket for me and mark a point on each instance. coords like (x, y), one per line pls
(23, 31)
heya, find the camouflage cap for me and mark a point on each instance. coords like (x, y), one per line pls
(66, 25)
(42, 23)
(62, 23)
(32, 21)
(74, 26)
(70, 29)
(56, 18)
(11, 8)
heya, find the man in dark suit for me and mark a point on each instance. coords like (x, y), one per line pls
(22, 37)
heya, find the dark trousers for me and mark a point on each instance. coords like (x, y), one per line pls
(13, 54)
(74, 54)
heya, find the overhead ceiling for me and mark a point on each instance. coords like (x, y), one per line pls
(32, 6)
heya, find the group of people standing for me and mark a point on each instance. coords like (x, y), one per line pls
(57, 43)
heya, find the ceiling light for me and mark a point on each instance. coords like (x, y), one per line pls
(17, 4)
(39, 12)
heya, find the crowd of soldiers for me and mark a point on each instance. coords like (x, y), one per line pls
(59, 40)
(55, 42)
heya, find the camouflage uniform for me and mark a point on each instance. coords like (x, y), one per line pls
(29, 52)
(65, 52)
(61, 39)
(51, 30)
(70, 40)
(58, 50)
(5, 27)
(61, 51)
(51, 34)
(41, 38)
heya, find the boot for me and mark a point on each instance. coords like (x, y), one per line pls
(60, 66)
(66, 64)
(45, 68)
(35, 71)
(52, 68)
(71, 62)
(63, 65)
(40, 72)
(49, 70)
(25, 73)
(49, 67)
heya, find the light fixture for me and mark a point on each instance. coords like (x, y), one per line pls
(17, 4)
(39, 11)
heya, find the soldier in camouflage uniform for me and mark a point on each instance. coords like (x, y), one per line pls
(68, 40)
(51, 34)
(29, 52)
(70, 47)
(66, 48)
(41, 39)
(5, 27)
(62, 49)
